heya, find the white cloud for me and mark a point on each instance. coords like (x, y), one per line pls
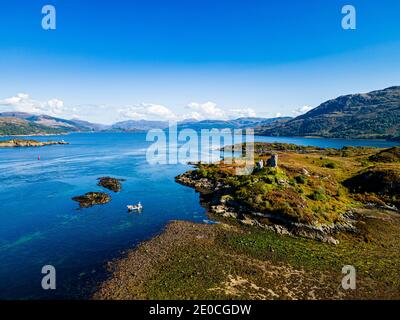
(108, 114)
(22, 102)
(207, 110)
(301, 110)
(56, 107)
(199, 111)
(55, 103)
(240, 113)
(20, 97)
(146, 111)
(210, 110)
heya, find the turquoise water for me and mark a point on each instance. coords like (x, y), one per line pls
(40, 225)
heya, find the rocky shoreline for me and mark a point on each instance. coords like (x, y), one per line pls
(184, 261)
(271, 253)
(211, 197)
(16, 143)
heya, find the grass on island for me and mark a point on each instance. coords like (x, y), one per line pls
(313, 186)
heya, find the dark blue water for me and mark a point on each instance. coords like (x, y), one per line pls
(40, 225)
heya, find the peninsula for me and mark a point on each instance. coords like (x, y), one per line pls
(14, 143)
(283, 232)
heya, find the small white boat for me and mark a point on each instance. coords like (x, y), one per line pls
(137, 207)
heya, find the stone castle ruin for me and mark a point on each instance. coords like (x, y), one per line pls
(272, 162)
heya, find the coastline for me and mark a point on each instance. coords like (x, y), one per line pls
(395, 139)
(184, 262)
(37, 135)
(256, 134)
(21, 143)
(250, 256)
(151, 270)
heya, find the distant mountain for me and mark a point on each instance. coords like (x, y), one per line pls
(89, 126)
(138, 125)
(359, 116)
(21, 123)
(250, 122)
(144, 125)
(253, 122)
(17, 126)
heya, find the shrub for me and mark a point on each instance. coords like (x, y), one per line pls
(318, 195)
(300, 179)
(330, 165)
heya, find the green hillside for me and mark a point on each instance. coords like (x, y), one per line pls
(15, 126)
(374, 115)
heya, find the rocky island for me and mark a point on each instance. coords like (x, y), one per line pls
(14, 143)
(92, 198)
(110, 183)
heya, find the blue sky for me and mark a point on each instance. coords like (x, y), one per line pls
(153, 59)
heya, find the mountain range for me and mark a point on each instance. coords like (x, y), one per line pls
(21, 123)
(373, 115)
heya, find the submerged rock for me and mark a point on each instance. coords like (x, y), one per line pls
(110, 183)
(92, 198)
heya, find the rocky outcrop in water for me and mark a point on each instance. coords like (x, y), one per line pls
(110, 183)
(190, 179)
(13, 143)
(91, 199)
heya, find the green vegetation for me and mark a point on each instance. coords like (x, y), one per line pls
(373, 242)
(14, 126)
(362, 116)
(378, 184)
(387, 155)
(330, 164)
(232, 261)
(311, 186)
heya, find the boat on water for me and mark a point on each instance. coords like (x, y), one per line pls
(137, 207)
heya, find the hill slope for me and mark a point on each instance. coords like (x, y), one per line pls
(21, 123)
(371, 115)
(16, 126)
(240, 123)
